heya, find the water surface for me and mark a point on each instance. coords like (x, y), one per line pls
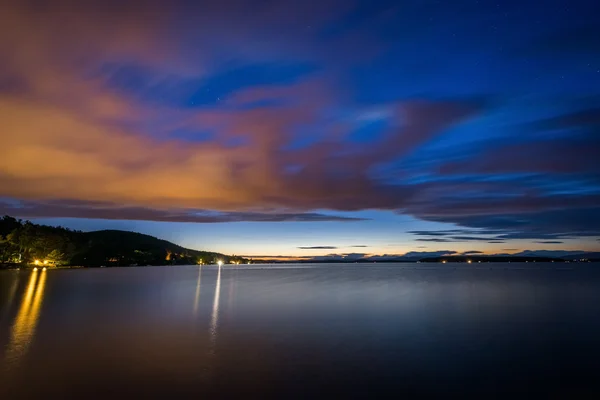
(301, 330)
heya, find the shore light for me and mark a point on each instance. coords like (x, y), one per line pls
(220, 262)
(36, 262)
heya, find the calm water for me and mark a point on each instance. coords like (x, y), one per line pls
(299, 331)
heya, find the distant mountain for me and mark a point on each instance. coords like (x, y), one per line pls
(548, 253)
(492, 258)
(526, 256)
(411, 256)
(452, 256)
(591, 256)
(441, 256)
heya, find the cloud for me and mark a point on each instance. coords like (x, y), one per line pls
(552, 217)
(113, 104)
(563, 155)
(101, 210)
(454, 235)
(540, 184)
(429, 233)
(328, 247)
(549, 242)
(317, 247)
(435, 240)
(471, 238)
(108, 144)
(97, 162)
(456, 239)
(472, 252)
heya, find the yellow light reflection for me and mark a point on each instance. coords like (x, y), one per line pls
(11, 295)
(23, 328)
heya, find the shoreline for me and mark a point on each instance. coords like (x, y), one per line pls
(401, 265)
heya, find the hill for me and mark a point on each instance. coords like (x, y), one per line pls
(114, 247)
(25, 242)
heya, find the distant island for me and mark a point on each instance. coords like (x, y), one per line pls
(23, 243)
(580, 257)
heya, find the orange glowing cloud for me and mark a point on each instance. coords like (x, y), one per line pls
(68, 134)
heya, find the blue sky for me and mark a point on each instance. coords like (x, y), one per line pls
(259, 128)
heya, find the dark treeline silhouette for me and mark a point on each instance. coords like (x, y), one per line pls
(26, 243)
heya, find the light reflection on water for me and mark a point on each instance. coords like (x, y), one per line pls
(154, 331)
(23, 328)
(197, 297)
(11, 297)
(215, 310)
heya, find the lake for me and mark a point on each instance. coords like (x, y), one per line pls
(301, 331)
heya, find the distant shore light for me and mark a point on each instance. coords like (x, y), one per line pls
(220, 262)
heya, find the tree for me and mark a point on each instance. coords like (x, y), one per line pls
(23, 238)
(8, 224)
(56, 258)
(6, 250)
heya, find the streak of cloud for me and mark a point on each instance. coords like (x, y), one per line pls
(317, 247)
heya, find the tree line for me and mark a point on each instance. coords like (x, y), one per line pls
(26, 243)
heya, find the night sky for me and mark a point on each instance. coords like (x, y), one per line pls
(306, 128)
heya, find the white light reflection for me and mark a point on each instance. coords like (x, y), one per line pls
(197, 298)
(215, 311)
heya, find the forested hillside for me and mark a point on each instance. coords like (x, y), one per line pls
(26, 243)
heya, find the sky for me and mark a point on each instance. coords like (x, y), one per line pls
(329, 128)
